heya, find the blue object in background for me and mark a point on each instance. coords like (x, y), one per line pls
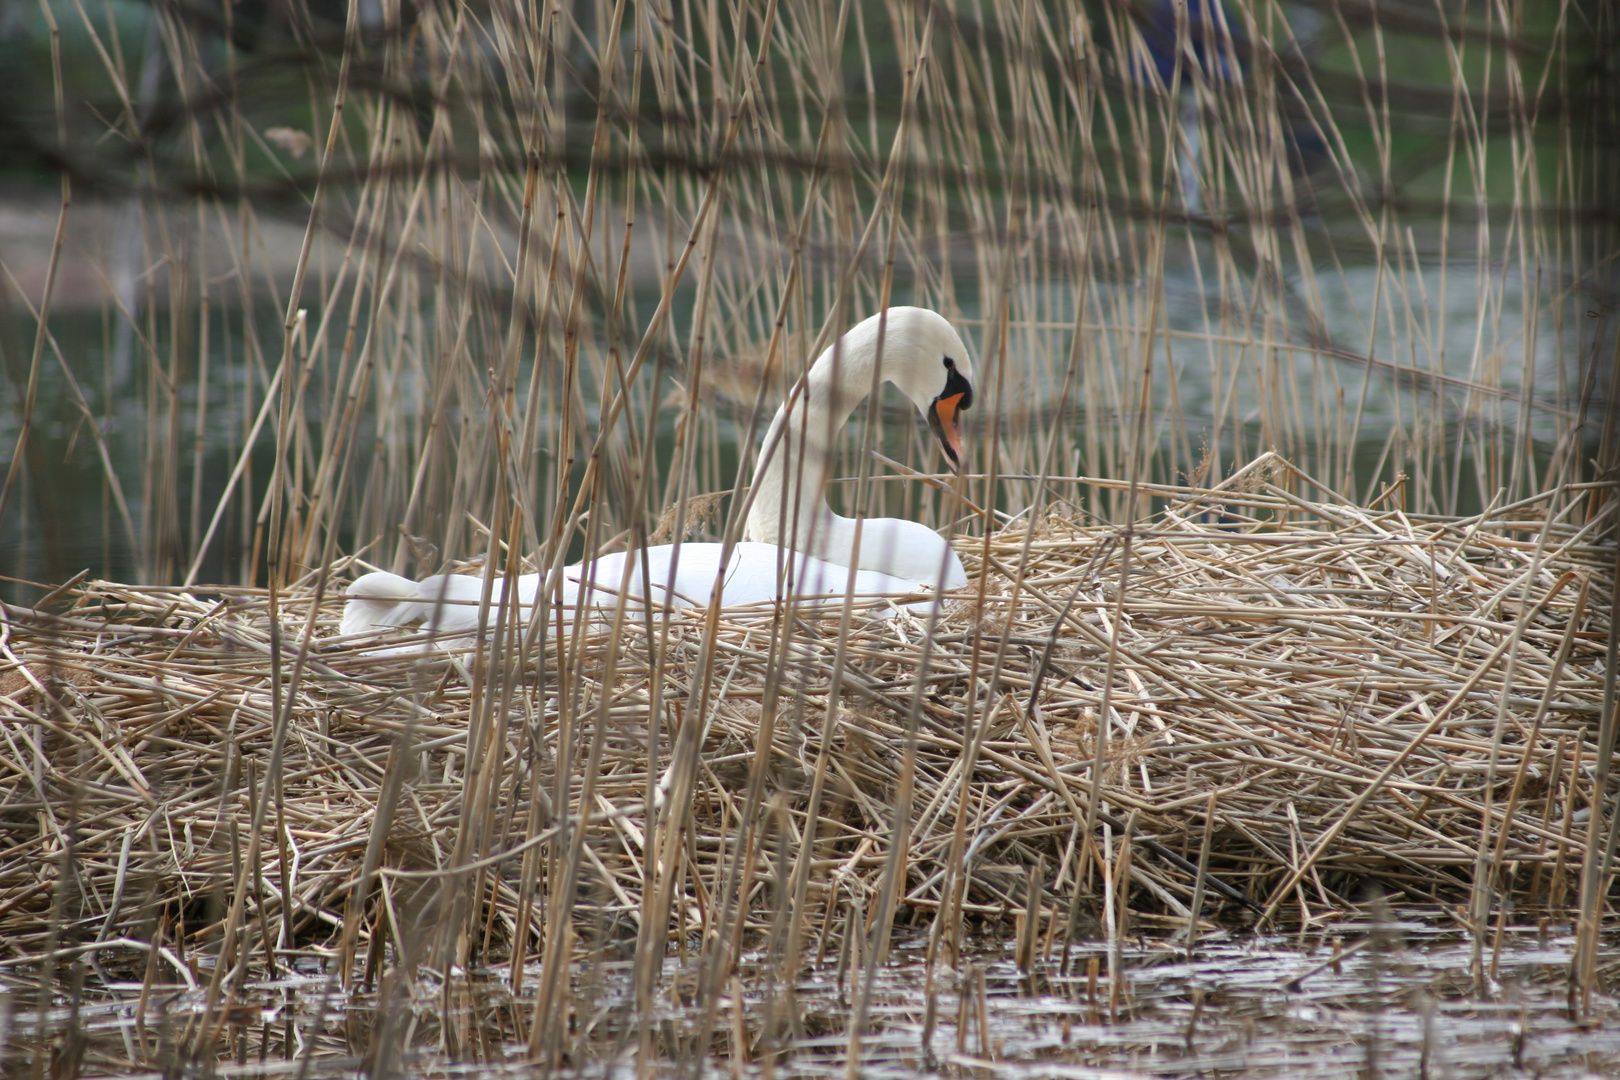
(1214, 39)
(1213, 52)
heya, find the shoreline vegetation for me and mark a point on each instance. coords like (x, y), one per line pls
(1288, 503)
(1312, 703)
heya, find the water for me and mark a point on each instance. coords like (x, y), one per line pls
(1455, 440)
(1399, 1001)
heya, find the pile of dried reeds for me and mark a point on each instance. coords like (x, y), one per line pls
(1303, 699)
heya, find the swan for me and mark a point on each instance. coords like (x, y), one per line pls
(794, 546)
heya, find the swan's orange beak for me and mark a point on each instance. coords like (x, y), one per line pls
(946, 420)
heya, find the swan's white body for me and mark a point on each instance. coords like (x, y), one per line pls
(448, 604)
(796, 547)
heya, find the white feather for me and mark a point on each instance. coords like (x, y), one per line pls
(797, 549)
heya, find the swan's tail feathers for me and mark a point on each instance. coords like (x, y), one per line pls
(381, 600)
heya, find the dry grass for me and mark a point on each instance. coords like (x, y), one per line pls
(1309, 699)
(508, 282)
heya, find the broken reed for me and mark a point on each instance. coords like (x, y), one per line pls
(1312, 702)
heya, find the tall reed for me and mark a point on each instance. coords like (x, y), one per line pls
(518, 283)
(584, 249)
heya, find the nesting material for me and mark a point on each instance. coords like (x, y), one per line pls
(1360, 698)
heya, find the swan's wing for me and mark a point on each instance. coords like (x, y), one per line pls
(908, 550)
(682, 575)
(751, 575)
(753, 578)
(380, 601)
(450, 601)
(383, 601)
(600, 580)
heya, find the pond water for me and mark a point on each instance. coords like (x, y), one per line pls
(1216, 385)
(1367, 999)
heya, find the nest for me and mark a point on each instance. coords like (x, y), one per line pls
(1285, 703)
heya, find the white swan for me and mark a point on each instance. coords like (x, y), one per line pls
(796, 547)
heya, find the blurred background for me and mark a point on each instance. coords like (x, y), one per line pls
(282, 280)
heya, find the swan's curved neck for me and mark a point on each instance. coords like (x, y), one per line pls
(790, 506)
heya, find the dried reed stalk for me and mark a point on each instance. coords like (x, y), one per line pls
(1327, 681)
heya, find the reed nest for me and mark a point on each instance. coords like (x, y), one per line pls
(1305, 697)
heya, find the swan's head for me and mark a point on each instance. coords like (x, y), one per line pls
(924, 356)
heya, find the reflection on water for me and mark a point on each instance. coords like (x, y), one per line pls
(114, 483)
(1366, 999)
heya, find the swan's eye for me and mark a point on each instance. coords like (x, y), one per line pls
(956, 384)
